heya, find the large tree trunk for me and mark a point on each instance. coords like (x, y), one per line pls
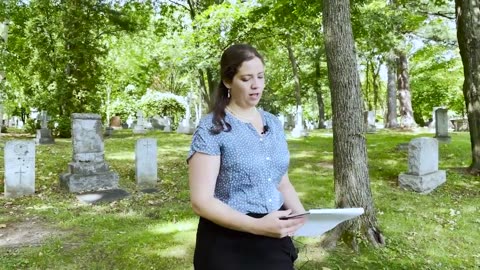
(468, 35)
(318, 92)
(391, 93)
(404, 96)
(352, 183)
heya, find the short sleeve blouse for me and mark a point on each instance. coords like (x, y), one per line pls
(251, 165)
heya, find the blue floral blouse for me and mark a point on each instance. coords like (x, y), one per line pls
(251, 165)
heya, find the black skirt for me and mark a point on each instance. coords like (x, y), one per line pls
(219, 248)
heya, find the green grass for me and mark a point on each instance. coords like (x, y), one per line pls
(157, 231)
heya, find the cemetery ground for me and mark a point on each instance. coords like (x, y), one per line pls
(53, 230)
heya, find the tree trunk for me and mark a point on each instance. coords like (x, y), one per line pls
(404, 96)
(318, 92)
(352, 183)
(367, 87)
(391, 94)
(468, 35)
(375, 83)
(296, 77)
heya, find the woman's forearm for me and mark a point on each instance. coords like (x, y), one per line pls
(290, 196)
(223, 215)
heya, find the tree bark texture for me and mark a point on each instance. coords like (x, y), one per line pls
(318, 92)
(391, 94)
(404, 95)
(468, 35)
(352, 183)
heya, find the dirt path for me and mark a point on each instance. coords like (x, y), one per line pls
(30, 232)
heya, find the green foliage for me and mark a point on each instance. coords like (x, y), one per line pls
(163, 104)
(436, 80)
(64, 127)
(31, 126)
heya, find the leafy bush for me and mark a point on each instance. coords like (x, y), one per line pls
(163, 104)
(31, 126)
(64, 127)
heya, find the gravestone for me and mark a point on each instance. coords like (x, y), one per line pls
(19, 168)
(441, 125)
(157, 122)
(44, 134)
(88, 170)
(423, 175)
(369, 120)
(139, 126)
(299, 131)
(115, 122)
(168, 124)
(146, 163)
(281, 118)
(129, 121)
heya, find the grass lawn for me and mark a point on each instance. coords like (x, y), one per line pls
(157, 231)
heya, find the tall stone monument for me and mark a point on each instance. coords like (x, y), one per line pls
(19, 168)
(299, 130)
(423, 175)
(44, 135)
(441, 125)
(140, 125)
(88, 170)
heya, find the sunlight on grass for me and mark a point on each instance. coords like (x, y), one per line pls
(166, 228)
(122, 156)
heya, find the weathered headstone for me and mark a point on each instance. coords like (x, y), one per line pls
(88, 170)
(139, 126)
(44, 134)
(19, 168)
(115, 122)
(423, 175)
(441, 125)
(299, 131)
(146, 163)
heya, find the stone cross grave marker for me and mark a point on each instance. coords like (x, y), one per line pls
(146, 163)
(19, 168)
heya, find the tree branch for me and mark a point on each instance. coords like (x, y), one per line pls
(179, 4)
(449, 15)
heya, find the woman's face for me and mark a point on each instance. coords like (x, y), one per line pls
(247, 85)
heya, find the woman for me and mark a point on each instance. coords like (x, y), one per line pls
(238, 178)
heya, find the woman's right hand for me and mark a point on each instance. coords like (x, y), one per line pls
(271, 225)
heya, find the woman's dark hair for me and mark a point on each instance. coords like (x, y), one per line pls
(232, 59)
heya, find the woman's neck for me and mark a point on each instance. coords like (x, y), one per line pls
(247, 115)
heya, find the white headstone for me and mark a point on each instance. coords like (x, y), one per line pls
(146, 163)
(19, 168)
